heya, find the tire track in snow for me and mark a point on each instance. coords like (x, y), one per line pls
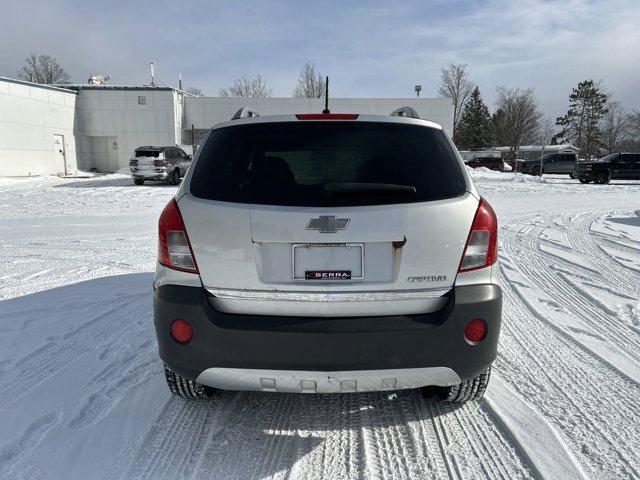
(570, 298)
(484, 447)
(571, 327)
(550, 372)
(40, 364)
(14, 455)
(176, 440)
(538, 441)
(582, 238)
(299, 436)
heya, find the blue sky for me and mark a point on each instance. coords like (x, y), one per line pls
(369, 48)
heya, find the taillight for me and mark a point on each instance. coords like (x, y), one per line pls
(174, 249)
(160, 163)
(482, 245)
(133, 163)
(327, 116)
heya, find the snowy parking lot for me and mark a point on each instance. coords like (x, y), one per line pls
(82, 394)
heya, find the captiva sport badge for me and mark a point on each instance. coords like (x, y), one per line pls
(327, 275)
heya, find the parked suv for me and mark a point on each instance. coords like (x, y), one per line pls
(551, 163)
(492, 163)
(159, 163)
(327, 253)
(617, 166)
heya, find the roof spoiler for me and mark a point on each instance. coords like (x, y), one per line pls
(405, 112)
(244, 112)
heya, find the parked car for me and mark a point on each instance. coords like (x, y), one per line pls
(492, 163)
(560, 163)
(617, 166)
(159, 163)
(324, 253)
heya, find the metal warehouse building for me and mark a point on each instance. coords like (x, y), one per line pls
(52, 130)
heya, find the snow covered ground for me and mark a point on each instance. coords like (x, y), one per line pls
(82, 393)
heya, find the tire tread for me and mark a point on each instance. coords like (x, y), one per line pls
(471, 389)
(184, 387)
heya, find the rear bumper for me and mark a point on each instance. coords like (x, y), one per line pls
(150, 175)
(326, 354)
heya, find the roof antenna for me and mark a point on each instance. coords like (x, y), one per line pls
(326, 95)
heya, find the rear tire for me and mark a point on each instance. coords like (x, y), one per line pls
(601, 177)
(536, 172)
(468, 390)
(175, 177)
(138, 181)
(185, 388)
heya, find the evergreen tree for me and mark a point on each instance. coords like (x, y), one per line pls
(476, 128)
(581, 124)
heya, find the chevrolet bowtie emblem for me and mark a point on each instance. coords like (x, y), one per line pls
(327, 224)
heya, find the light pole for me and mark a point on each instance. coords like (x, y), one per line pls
(417, 88)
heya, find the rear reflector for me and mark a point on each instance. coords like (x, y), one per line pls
(482, 244)
(475, 330)
(181, 331)
(327, 116)
(174, 249)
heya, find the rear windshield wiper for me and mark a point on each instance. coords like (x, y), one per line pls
(333, 189)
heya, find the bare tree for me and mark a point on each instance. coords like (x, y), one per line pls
(616, 127)
(194, 91)
(456, 85)
(310, 83)
(247, 87)
(521, 118)
(43, 69)
(632, 142)
(634, 124)
(547, 130)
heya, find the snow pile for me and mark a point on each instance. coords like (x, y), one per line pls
(484, 174)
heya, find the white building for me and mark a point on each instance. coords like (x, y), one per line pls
(37, 129)
(112, 121)
(51, 130)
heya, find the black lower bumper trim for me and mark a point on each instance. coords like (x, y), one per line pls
(327, 344)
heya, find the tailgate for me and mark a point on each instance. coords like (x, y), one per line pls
(249, 247)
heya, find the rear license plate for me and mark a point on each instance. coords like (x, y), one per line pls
(327, 261)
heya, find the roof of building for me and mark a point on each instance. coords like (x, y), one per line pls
(536, 148)
(86, 86)
(57, 88)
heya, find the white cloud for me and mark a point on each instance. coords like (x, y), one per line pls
(372, 48)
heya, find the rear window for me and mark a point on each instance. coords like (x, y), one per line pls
(327, 164)
(147, 153)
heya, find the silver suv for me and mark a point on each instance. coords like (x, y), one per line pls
(159, 163)
(328, 253)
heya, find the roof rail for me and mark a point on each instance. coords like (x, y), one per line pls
(405, 112)
(244, 112)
